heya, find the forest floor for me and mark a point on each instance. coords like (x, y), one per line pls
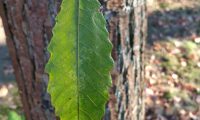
(172, 64)
(173, 60)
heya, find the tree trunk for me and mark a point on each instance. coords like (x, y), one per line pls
(28, 25)
(128, 28)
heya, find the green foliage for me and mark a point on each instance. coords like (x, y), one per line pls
(190, 46)
(80, 61)
(14, 116)
(164, 5)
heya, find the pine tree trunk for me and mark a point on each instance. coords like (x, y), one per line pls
(28, 25)
(128, 28)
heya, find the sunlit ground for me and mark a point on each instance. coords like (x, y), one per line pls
(2, 35)
(173, 60)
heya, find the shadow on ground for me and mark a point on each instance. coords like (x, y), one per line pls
(181, 23)
(6, 70)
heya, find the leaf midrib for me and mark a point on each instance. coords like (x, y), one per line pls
(77, 56)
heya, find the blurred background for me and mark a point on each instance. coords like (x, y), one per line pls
(173, 60)
(172, 64)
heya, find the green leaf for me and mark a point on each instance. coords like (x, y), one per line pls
(80, 62)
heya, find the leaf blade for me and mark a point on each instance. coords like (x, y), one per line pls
(81, 38)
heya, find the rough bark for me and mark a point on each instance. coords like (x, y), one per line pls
(28, 25)
(127, 27)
